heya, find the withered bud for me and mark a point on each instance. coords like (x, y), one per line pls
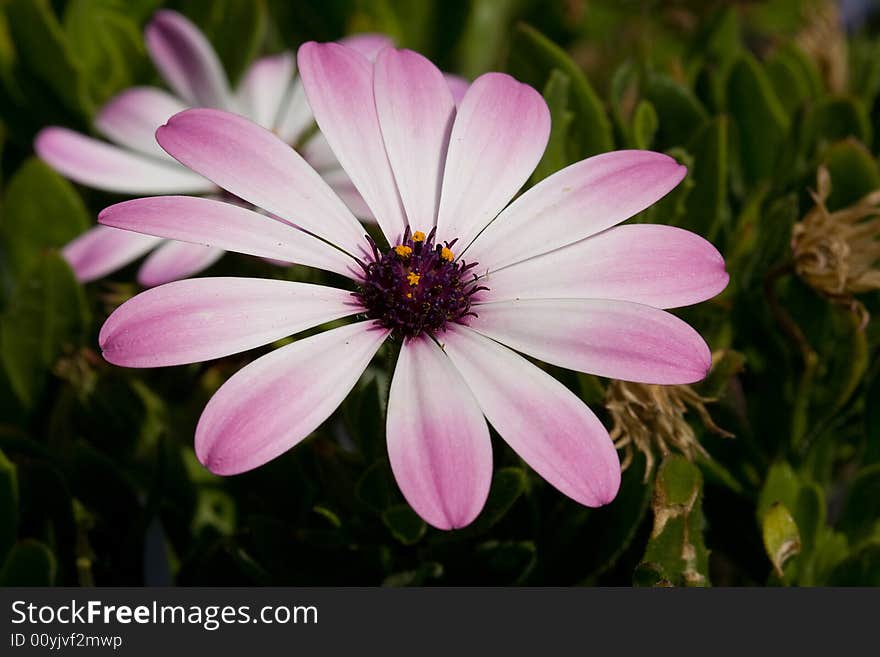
(836, 253)
(650, 419)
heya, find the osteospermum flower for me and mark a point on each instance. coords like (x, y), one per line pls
(463, 284)
(135, 164)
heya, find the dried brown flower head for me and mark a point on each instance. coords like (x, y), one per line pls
(650, 418)
(836, 253)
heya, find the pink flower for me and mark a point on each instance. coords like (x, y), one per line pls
(268, 94)
(469, 279)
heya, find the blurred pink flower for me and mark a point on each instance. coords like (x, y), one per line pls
(470, 278)
(268, 94)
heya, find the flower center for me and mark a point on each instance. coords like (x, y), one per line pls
(417, 286)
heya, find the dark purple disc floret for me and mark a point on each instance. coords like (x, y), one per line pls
(417, 286)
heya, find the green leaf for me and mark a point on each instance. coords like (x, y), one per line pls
(507, 486)
(508, 562)
(781, 486)
(428, 570)
(42, 211)
(675, 548)
(29, 563)
(2, 145)
(763, 237)
(364, 413)
(329, 515)
(44, 50)
(650, 574)
(761, 121)
(844, 355)
(7, 54)
(854, 173)
(831, 549)
(672, 208)
(120, 414)
(724, 368)
(376, 487)
(781, 537)
(215, 510)
(872, 420)
(556, 155)
(861, 568)
(833, 119)
(532, 59)
(707, 210)
(680, 113)
(716, 473)
(404, 524)
(645, 125)
(591, 389)
(622, 96)
(819, 543)
(8, 505)
(809, 514)
(409, 24)
(47, 313)
(860, 518)
(611, 530)
(484, 35)
(794, 77)
(108, 42)
(717, 46)
(864, 73)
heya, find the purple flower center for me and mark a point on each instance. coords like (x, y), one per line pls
(417, 286)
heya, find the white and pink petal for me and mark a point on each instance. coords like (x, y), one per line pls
(345, 189)
(295, 116)
(131, 118)
(187, 61)
(615, 339)
(110, 168)
(225, 226)
(174, 260)
(101, 251)
(200, 319)
(317, 152)
(660, 266)
(499, 136)
(369, 44)
(279, 399)
(458, 86)
(253, 164)
(416, 111)
(583, 199)
(264, 87)
(339, 84)
(438, 441)
(542, 420)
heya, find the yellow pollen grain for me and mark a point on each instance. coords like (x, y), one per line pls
(413, 278)
(403, 251)
(409, 295)
(418, 236)
(446, 254)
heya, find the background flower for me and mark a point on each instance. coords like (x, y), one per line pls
(268, 93)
